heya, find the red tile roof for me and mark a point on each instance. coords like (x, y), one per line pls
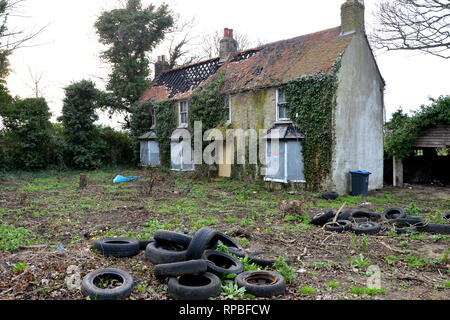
(266, 66)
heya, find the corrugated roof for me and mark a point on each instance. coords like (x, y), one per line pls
(266, 66)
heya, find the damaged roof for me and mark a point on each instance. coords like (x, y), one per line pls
(269, 65)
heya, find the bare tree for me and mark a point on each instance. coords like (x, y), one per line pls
(36, 82)
(422, 25)
(11, 39)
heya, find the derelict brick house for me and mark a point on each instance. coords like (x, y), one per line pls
(252, 81)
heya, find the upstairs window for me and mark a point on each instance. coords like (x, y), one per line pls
(152, 117)
(282, 111)
(183, 113)
(228, 108)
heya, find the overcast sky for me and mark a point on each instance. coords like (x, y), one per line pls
(68, 49)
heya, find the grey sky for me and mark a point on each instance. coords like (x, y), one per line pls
(68, 50)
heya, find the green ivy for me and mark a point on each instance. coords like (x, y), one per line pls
(311, 101)
(207, 104)
(165, 124)
(403, 130)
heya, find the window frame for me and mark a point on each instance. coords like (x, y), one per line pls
(228, 107)
(180, 124)
(277, 102)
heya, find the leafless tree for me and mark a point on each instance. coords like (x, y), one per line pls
(422, 25)
(36, 82)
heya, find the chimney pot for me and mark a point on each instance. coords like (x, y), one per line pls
(228, 45)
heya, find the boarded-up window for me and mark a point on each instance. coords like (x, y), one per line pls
(150, 153)
(286, 163)
(182, 157)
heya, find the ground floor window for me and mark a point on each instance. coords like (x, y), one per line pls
(181, 155)
(150, 153)
(285, 163)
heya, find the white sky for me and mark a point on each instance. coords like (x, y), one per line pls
(68, 50)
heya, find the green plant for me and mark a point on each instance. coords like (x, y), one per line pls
(307, 290)
(231, 291)
(412, 210)
(436, 218)
(284, 269)
(19, 267)
(248, 266)
(244, 242)
(12, 238)
(360, 262)
(366, 291)
(363, 244)
(391, 260)
(332, 285)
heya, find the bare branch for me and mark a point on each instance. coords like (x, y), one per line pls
(422, 25)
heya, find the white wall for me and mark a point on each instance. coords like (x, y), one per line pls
(358, 118)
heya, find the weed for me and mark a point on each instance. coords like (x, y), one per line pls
(20, 267)
(360, 262)
(244, 242)
(12, 238)
(248, 266)
(332, 285)
(283, 268)
(307, 290)
(391, 260)
(363, 244)
(366, 291)
(436, 218)
(231, 291)
(412, 210)
(417, 262)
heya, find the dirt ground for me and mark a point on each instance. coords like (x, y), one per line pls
(48, 209)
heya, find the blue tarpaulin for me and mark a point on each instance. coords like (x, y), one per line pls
(120, 178)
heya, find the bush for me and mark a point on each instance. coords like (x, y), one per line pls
(118, 147)
(83, 145)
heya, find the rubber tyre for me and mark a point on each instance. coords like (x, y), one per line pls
(117, 247)
(234, 266)
(411, 220)
(400, 226)
(207, 285)
(161, 253)
(344, 225)
(437, 228)
(143, 244)
(176, 269)
(276, 287)
(332, 195)
(358, 220)
(393, 213)
(233, 246)
(256, 257)
(366, 228)
(446, 216)
(89, 289)
(174, 237)
(344, 215)
(321, 218)
(203, 239)
(373, 216)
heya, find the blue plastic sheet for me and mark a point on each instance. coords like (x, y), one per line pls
(120, 178)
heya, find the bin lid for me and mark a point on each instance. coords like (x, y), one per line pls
(364, 172)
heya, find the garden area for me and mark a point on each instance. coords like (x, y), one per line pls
(49, 224)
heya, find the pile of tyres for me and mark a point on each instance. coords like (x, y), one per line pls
(192, 265)
(363, 222)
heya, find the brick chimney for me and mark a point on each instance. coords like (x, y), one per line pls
(228, 45)
(352, 17)
(161, 65)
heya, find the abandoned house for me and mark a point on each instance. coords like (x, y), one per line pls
(253, 87)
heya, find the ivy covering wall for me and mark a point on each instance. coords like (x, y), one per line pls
(165, 124)
(311, 102)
